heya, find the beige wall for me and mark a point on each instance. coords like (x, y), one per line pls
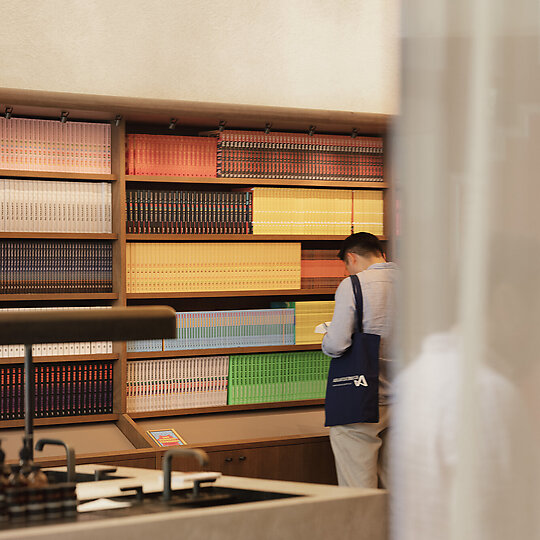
(322, 54)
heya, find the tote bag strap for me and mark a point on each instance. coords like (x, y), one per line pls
(359, 302)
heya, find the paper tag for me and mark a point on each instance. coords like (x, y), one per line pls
(322, 328)
(101, 504)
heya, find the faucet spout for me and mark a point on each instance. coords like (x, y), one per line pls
(70, 455)
(200, 455)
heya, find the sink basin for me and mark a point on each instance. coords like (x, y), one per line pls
(184, 500)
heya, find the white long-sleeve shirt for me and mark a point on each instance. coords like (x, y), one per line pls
(378, 292)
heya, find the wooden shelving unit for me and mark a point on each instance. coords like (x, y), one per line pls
(232, 294)
(255, 182)
(61, 420)
(59, 236)
(48, 175)
(63, 358)
(30, 297)
(236, 238)
(228, 408)
(214, 352)
(205, 116)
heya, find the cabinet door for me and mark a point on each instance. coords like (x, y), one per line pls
(304, 462)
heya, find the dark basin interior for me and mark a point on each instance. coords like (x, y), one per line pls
(184, 499)
(212, 496)
(56, 477)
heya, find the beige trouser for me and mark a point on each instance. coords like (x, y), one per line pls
(360, 452)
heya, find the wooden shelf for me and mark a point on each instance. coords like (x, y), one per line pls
(46, 175)
(195, 113)
(59, 236)
(255, 181)
(202, 115)
(236, 237)
(227, 408)
(58, 420)
(63, 358)
(57, 296)
(233, 294)
(226, 350)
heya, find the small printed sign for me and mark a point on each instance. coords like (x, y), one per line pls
(166, 437)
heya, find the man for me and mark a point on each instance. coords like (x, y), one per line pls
(359, 449)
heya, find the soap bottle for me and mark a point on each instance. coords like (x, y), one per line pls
(37, 481)
(19, 474)
(37, 478)
(17, 492)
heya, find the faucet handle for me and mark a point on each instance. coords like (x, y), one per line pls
(100, 474)
(139, 493)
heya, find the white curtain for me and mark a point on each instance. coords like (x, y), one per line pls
(466, 442)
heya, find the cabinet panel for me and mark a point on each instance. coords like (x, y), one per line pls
(142, 463)
(304, 462)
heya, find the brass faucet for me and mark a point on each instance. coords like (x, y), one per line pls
(200, 455)
(70, 455)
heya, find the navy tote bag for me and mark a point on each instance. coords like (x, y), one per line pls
(352, 390)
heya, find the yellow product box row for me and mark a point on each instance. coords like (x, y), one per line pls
(223, 266)
(368, 212)
(317, 211)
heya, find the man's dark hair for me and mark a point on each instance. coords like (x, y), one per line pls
(361, 243)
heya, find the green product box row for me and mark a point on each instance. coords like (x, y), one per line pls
(267, 378)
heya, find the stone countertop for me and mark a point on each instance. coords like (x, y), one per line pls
(321, 512)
